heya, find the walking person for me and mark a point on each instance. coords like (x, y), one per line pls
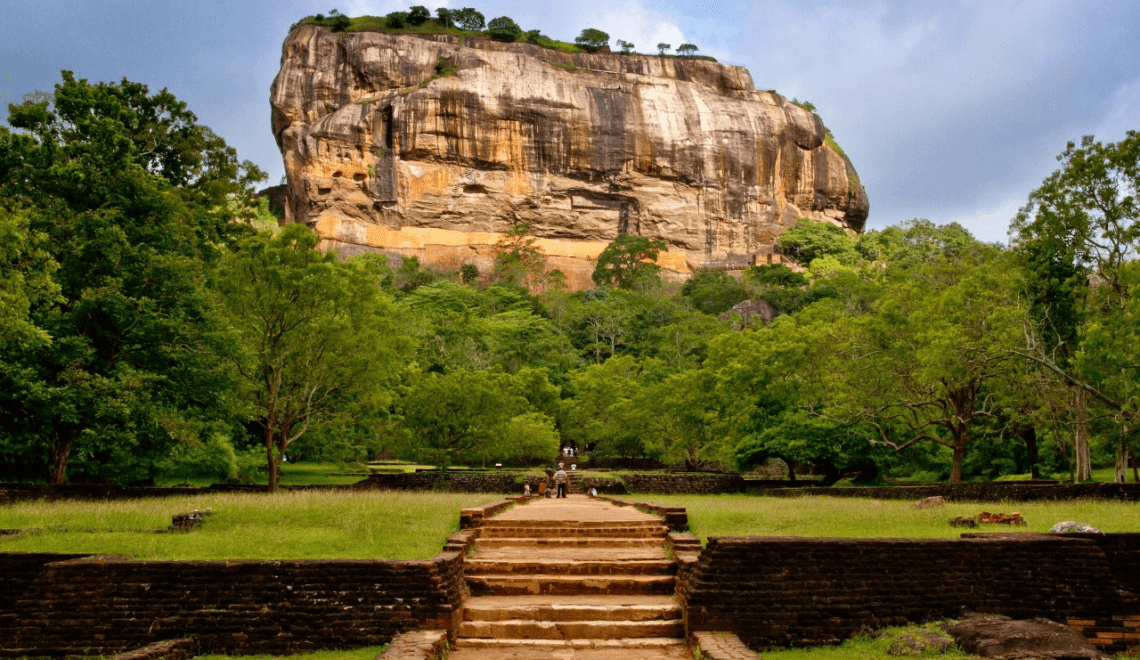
(560, 479)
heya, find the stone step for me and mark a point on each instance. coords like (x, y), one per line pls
(585, 524)
(658, 532)
(479, 566)
(593, 541)
(538, 646)
(572, 608)
(532, 630)
(507, 585)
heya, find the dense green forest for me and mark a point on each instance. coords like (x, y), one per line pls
(155, 320)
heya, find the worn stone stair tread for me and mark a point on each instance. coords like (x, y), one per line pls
(659, 532)
(555, 644)
(572, 608)
(570, 584)
(534, 553)
(576, 629)
(545, 653)
(481, 566)
(598, 542)
(572, 524)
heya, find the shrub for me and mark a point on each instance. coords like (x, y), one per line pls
(396, 20)
(592, 39)
(469, 273)
(503, 28)
(418, 15)
(534, 37)
(468, 19)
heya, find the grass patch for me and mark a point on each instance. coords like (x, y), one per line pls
(292, 474)
(869, 647)
(746, 515)
(830, 140)
(297, 525)
(368, 653)
(565, 65)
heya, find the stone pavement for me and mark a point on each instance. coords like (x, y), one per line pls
(571, 579)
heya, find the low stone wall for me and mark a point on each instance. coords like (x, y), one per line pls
(100, 606)
(684, 483)
(459, 482)
(15, 492)
(676, 518)
(1012, 491)
(783, 591)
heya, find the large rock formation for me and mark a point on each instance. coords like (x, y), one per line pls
(433, 145)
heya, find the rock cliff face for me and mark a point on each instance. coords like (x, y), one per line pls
(433, 145)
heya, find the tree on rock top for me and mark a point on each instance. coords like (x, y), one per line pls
(687, 49)
(503, 28)
(418, 15)
(592, 39)
(627, 261)
(468, 19)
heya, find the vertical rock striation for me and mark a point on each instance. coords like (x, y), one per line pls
(433, 145)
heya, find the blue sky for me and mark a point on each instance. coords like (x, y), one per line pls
(952, 110)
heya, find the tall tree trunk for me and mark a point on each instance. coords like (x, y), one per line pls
(959, 455)
(60, 451)
(791, 469)
(270, 459)
(1082, 458)
(1120, 475)
(1029, 435)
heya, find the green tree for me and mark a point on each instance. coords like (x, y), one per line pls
(316, 339)
(687, 50)
(396, 20)
(662, 48)
(627, 261)
(26, 282)
(713, 291)
(625, 46)
(459, 415)
(518, 261)
(809, 240)
(418, 15)
(445, 17)
(503, 28)
(920, 367)
(592, 39)
(530, 438)
(130, 196)
(468, 19)
(1080, 228)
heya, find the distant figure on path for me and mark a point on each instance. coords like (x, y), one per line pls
(526, 489)
(560, 478)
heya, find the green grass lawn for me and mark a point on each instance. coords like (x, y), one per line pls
(748, 515)
(367, 653)
(321, 524)
(868, 647)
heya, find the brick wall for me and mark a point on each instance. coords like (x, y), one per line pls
(781, 591)
(1013, 491)
(93, 606)
(459, 482)
(684, 483)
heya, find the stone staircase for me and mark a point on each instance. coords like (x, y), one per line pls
(575, 582)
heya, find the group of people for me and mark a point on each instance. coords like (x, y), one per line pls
(561, 481)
